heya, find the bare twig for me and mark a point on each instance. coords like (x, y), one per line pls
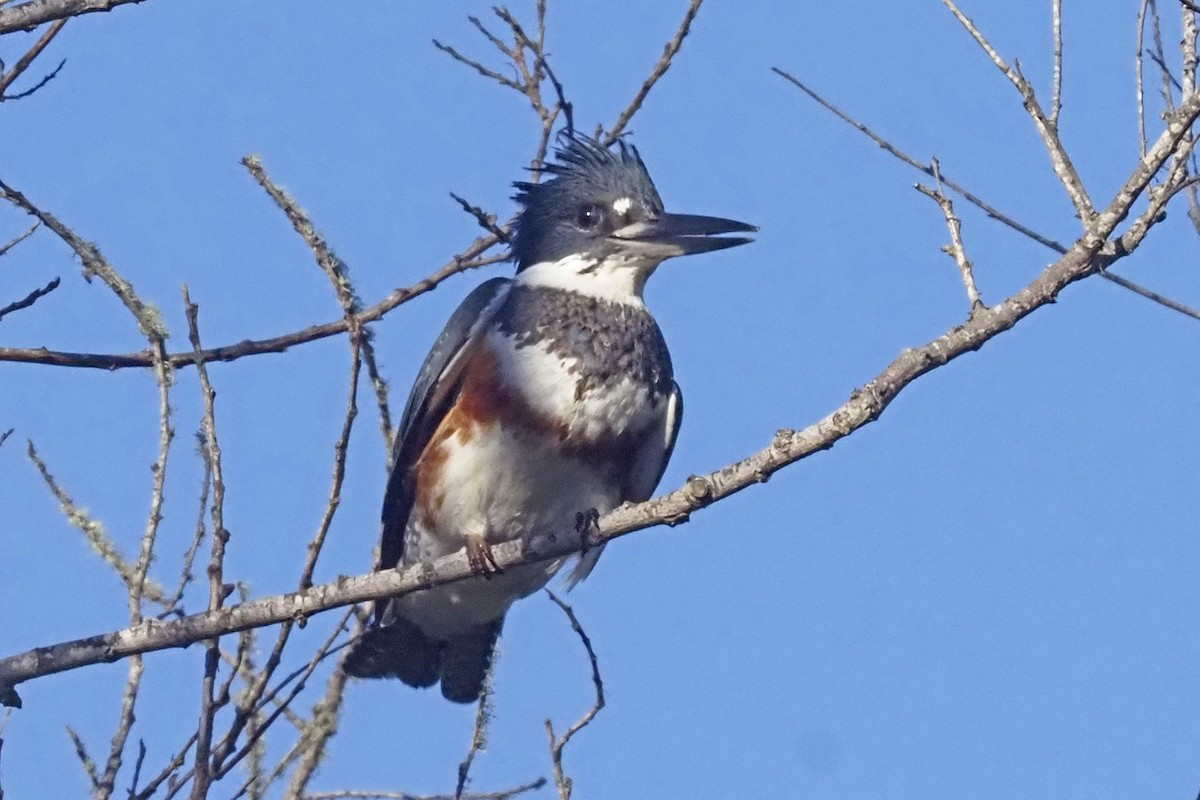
(561, 779)
(4, 436)
(1056, 99)
(486, 221)
(1141, 72)
(364, 794)
(471, 258)
(483, 720)
(339, 276)
(95, 265)
(85, 758)
(955, 249)
(24, 61)
(972, 198)
(137, 767)
(31, 298)
(660, 68)
(216, 565)
(1063, 168)
(168, 773)
(1191, 32)
(20, 238)
(890, 148)
(189, 557)
(93, 530)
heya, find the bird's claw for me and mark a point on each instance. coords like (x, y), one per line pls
(481, 558)
(585, 523)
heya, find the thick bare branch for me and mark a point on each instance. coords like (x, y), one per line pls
(27, 16)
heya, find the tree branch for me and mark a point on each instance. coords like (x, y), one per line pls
(1087, 256)
(29, 15)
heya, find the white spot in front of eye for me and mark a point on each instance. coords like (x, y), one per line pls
(623, 205)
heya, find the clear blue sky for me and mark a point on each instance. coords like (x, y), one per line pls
(990, 593)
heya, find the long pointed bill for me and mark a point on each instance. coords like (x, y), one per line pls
(681, 235)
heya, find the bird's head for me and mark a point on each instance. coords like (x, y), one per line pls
(598, 216)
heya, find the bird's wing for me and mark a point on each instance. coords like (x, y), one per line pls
(646, 470)
(437, 386)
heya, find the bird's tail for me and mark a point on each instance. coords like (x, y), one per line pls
(399, 649)
(465, 661)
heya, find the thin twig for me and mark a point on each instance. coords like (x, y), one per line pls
(31, 298)
(471, 258)
(339, 277)
(561, 779)
(1059, 159)
(93, 530)
(969, 196)
(1141, 73)
(85, 758)
(216, 565)
(890, 148)
(483, 720)
(24, 61)
(955, 249)
(486, 221)
(660, 68)
(1056, 99)
(366, 794)
(20, 238)
(189, 557)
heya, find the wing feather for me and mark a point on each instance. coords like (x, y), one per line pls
(436, 388)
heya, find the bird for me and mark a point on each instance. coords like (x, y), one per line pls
(549, 398)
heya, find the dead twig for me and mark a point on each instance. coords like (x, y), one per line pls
(972, 198)
(1059, 159)
(216, 565)
(660, 68)
(1056, 98)
(483, 719)
(23, 63)
(955, 249)
(31, 298)
(561, 779)
(366, 794)
(471, 258)
(20, 238)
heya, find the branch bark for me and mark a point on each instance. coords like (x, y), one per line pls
(27, 16)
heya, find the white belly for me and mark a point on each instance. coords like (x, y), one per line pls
(501, 487)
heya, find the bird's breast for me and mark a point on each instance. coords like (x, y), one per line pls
(595, 369)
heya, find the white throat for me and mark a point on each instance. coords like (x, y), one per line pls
(614, 279)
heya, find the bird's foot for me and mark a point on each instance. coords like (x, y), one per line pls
(585, 523)
(480, 557)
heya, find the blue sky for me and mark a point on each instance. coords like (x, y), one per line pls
(989, 593)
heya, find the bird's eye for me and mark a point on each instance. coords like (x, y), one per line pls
(589, 216)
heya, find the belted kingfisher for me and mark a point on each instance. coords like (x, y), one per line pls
(547, 395)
